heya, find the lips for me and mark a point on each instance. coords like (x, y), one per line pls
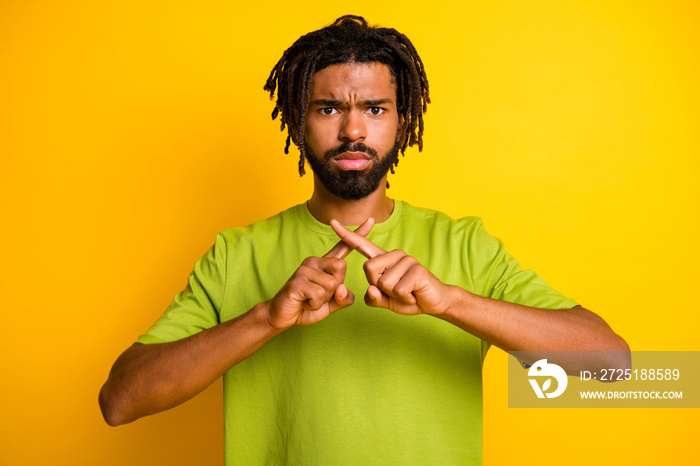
(352, 160)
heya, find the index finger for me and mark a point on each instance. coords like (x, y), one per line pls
(342, 249)
(362, 244)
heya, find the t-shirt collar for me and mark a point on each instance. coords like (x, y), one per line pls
(310, 221)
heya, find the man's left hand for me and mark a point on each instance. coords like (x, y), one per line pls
(398, 282)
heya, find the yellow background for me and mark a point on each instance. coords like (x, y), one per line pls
(131, 132)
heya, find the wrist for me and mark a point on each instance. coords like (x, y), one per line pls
(458, 302)
(262, 314)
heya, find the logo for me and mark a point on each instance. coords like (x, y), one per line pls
(543, 369)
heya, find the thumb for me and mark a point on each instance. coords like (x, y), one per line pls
(342, 298)
(375, 298)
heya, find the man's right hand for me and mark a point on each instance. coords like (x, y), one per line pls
(316, 288)
(147, 379)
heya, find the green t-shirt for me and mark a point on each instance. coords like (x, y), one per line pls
(364, 386)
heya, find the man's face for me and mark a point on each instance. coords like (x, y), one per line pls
(351, 127)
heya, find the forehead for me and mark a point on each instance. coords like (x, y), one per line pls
(352, 81)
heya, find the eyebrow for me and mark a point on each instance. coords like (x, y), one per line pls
(337, 103)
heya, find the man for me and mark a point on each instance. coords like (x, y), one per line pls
(391, 378)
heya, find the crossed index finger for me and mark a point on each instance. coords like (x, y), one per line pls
(355, 241)
(342, 249)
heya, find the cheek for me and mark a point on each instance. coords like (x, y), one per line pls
(310, 132)
(316, 142)
(320, 131)
(390, 133)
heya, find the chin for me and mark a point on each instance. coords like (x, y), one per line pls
(352, 185)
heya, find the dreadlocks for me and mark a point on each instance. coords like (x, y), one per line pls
(349, 40)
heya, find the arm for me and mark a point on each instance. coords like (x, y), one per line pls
(514, 327)
(400, 283)
(147, 379)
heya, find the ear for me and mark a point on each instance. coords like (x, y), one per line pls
(400, 132)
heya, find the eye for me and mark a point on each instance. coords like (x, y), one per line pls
(329, 111)
(376, 110)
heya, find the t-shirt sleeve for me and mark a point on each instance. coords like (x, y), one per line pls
(196, 308)
(497, 275)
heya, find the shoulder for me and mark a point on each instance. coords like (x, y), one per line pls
(435, 232)
(420, 217)
(268, 229)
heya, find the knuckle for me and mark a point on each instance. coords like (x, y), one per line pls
(418, 269)
(341, 265)
(300, 273)
(402, 289)
(294, 282)
(409, 259)
(334, 264)
(318, 293)
(308, 262)
(333, 283)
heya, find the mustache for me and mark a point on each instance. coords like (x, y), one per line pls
(352, 147)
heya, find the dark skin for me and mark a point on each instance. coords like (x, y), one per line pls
(147, 379)
(348, 102)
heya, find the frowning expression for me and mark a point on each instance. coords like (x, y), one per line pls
(351, 127)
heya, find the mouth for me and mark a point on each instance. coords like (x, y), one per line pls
(353, 160)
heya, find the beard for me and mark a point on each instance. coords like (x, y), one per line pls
(352, 184)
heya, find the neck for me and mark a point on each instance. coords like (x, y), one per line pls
(324, 206)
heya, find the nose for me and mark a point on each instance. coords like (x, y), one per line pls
(353, 127)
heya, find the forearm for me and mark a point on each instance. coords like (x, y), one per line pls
(514, 327)
(147, 379)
